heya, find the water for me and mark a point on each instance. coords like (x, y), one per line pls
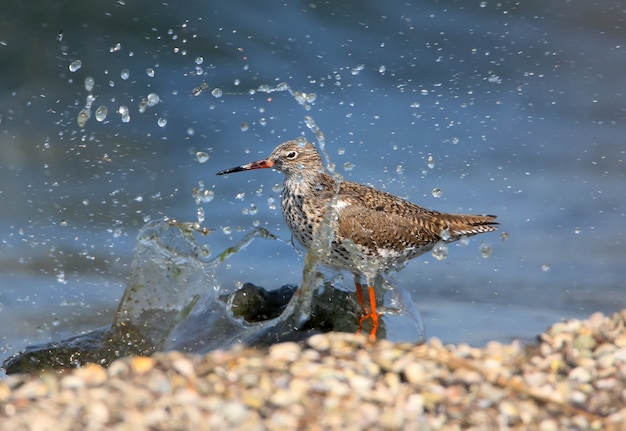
(519, 105)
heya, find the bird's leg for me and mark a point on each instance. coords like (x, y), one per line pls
(368, 312)
(359, 294)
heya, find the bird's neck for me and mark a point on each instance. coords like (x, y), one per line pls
(309, 183)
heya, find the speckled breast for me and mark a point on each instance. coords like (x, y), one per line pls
(303, 219)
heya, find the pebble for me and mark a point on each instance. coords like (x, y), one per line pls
(573, 378)
(141, 364)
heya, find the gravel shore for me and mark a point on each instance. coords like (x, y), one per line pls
(573, 378)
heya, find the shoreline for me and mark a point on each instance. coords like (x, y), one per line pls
(572, 378)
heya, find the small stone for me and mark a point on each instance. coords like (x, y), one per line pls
(620, 340)
(548, 425)
(92, 374)
(141, 364)
(510, 412)
(281, 397)
(585, 341)
(415, 405)
(5, 391)
(578, 397)
(253, 400)
(72, 381)
(184, 367)
(360, 384)
(30, 390)
(118, 368)
(284, 352)
(580, 374)
(96, 414)
(319, 342)
(415, 373)
(620, 354)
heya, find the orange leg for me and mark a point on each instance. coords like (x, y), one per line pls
(373, 314)
(359, 295)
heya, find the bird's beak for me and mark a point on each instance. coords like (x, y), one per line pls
(261, 164)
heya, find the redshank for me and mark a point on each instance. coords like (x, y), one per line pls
(373, 231)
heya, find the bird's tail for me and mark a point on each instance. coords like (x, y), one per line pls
(461, 224)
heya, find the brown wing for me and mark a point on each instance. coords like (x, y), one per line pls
(376, 229)
(377, 219)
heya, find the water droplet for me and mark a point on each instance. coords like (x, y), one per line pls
(237, 82)
(399, 169)
(445, 235)
(455, 140)
(545, 267)
(204, 251)
(348, 166)
(162, 122)
(191, 131)
(240, 196)
(244, 127)
(382, 69)
(75, 65)
(124, 74)
(483, 4)
(277, 188)
(116, 48)
(227, 230)
(431, 161)
(217, 92)
(577, 230)
(263, 121)
(437, 192)
(153, 99)
(83, 116)
(199, 60)
(89, 83)
(143, 103)
(61, 277)
(150, 72)
(63, 223)
(341, 151)
(358, 69)
(485, 250)
(415, 105)
(124, 113)
(200, 214)
(504, 236)
(202, 156)
(200, 89)
(440, 251)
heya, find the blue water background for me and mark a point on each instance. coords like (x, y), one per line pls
(520, 105)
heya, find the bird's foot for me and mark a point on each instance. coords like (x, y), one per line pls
(367, 313)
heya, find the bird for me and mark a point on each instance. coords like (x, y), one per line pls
(373, 232)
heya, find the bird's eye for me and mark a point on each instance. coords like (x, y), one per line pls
(291, 155)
